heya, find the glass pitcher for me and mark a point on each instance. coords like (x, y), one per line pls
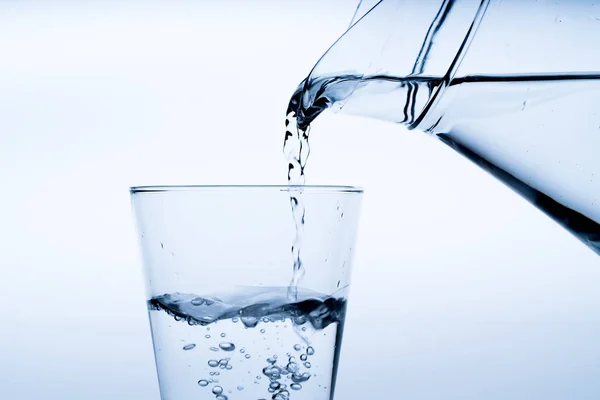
(513, 85)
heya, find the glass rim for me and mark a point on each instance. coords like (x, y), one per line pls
(214, 188)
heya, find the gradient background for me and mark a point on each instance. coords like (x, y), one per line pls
(461, 289)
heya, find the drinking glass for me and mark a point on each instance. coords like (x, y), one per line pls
(221, 263)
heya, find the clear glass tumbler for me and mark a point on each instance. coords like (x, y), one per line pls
(218, 265)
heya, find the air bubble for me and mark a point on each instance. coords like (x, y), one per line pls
(274, 385)
(299, 378)
(198, 301)
(189, 346)
(214, 349)
(272, 360)
(283, 395)
(227, 346)
(262, 331)
(203, 382)
(296, 386)
(242, 350)
(223, 362)
(307, 364)
(207, 336)
(297, 347)
(213, 363)
(223, 334)
(249, 322)
(247, 356)
(310, 351)
(221, 397)
(235, 319)
(292, 367)
(228, 367)
(217, 390)
(303, 357)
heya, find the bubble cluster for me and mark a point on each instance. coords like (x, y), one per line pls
(290, 371)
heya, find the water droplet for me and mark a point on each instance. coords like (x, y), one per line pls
(189, 346)
(247, 356)
(296, 386)
(217, 390)
(223, 334)
(227, 346)
(203, 382)
(307, 364)
(213, 363)
(297, 347)
(240, 388)
(310, 351)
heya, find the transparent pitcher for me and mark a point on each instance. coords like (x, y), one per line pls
(513, 85)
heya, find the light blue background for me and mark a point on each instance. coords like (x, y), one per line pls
(461, 289)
